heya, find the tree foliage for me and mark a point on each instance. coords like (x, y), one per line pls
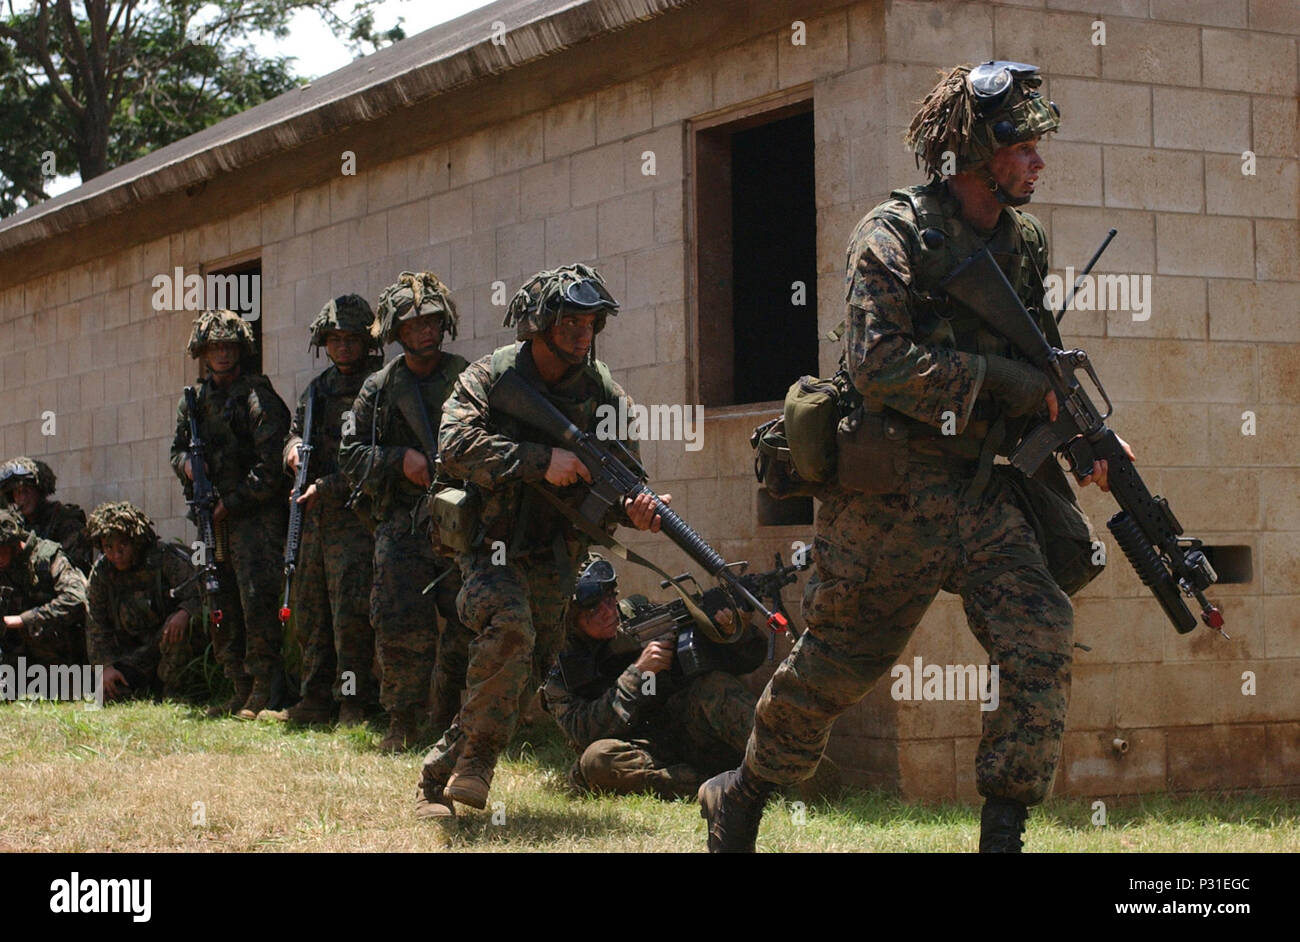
(99, 84)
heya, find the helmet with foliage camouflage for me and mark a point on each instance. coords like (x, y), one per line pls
(120, 518)
(219, 327)
(575, 288)
(974, 111)
(13, 529)
(350, 313)
(412, 295)
(24, 470)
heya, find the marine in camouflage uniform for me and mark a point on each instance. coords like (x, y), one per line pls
(934, 515)
(331, 586)
(28, 484)
(518, 575)
(144, 637)
(42, 597)
(388, 455)
(631, 736)
(243, 423)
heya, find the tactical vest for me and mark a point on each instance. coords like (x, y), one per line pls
(227, 429)
(390, 428)
(530, 518)
(938, 239)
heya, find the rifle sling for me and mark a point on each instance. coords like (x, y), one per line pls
(417, 417)
(607, 540)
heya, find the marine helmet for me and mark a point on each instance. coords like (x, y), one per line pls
(416, 294)
(972, 112)
(13, 528)
(220, 327)
(594, 581)
(24, 470)
(350, 313)
(575, 288)
(120, 518)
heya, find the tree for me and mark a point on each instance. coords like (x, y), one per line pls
(112, 80)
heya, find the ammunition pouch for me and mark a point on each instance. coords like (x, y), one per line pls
(873, 452)
(454, 514)
(772, 465)
(1065, 534)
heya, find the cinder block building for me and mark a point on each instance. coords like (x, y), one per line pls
(711, 159)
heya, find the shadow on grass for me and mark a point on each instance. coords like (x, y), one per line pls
(529, 827)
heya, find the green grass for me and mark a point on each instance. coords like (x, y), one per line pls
(158, 777)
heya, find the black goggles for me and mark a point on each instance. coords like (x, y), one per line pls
(595, 582)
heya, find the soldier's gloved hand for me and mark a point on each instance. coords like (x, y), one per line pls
(1018, 386)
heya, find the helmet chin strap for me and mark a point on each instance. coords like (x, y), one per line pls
(1002, 196)
(562, 355)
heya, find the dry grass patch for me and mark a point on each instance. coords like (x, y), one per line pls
(161, 777)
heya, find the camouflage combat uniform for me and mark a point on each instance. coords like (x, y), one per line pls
(881, 558)
(126, 612)
(243, 429)
(65, 524)
(332, 584)
(634, 737)
(409, 646)
(49, 593)
(512, 601)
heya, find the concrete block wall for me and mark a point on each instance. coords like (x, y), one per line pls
(1154, 126)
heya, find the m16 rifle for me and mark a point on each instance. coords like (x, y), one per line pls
(1145, 527)
(616, 475)
(294, 537)
(695, 652)
(203, 500)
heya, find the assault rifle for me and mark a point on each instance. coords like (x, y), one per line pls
(202, 501)
(1145, 528)
(695, 653)
(294, 536)
(615, 475)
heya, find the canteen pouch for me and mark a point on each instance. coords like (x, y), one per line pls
(812, 410)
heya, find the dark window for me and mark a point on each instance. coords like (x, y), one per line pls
(756, 255)
(243, 295)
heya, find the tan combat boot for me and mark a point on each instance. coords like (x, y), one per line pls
(243, 687)
(470, 782)
(352, 713)
(433, 804)
(258, 699)
(403, 731)
(306, 712)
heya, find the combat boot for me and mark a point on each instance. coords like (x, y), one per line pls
(306, 712)
(243, 687)
(259, 698)
(1001, 823)
(352, 713)
(403, 731)
(732, 805)
(470, 782)
(432, 803)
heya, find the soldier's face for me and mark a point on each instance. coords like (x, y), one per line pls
(346, 350)
(600, 622)
(221, 357)
(26, 498)
(120, 552)
(1016, 167)
(571, 335)
(421, 336)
